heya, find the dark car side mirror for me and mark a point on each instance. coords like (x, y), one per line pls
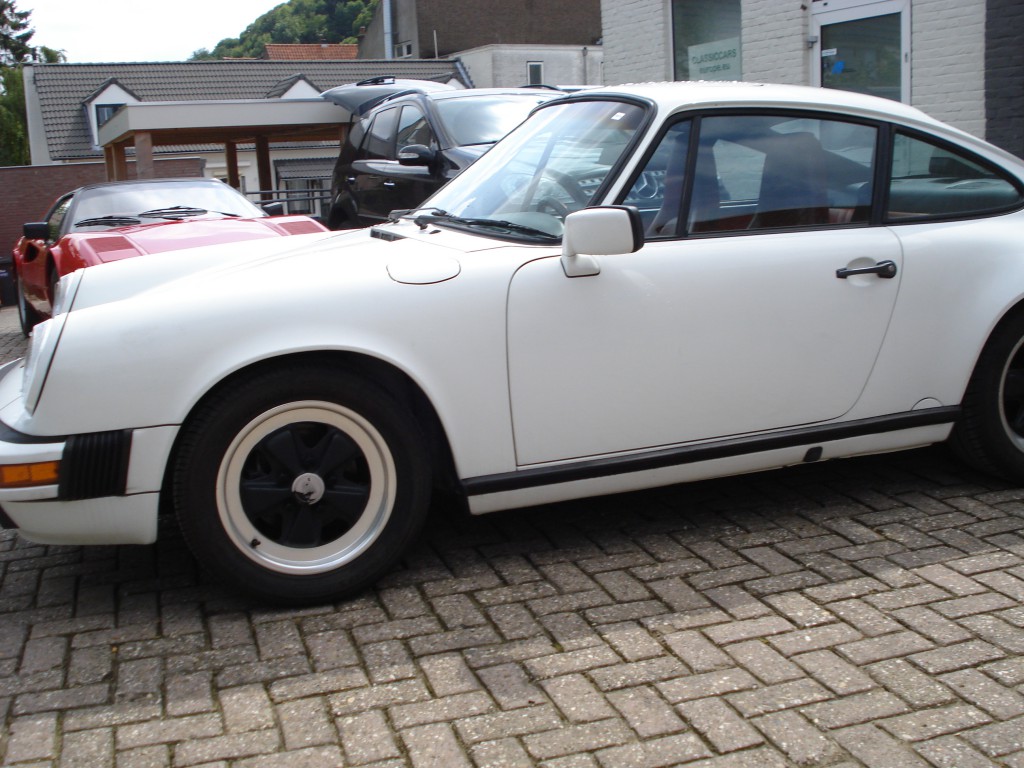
(36, 230)
(416, 154)
(273, 209)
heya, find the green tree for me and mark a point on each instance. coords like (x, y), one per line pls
(16, 49)
(297, 21)
(13, 121)
(15, 34)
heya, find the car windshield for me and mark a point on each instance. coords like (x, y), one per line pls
(551, 165)
(485, 119)
(120, 204)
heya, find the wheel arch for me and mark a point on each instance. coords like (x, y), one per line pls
(388, 377)
(1012, 312)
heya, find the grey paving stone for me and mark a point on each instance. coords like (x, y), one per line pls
(573, 739)
(721, 725)
(646, 712)
(877, 749)
(366, 737)
(800, 741)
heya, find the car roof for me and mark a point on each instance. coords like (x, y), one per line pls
(477, 92)
(671, 96)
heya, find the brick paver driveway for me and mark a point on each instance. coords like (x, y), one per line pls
(864, 612)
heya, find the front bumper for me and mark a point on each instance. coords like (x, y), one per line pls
(107, 489)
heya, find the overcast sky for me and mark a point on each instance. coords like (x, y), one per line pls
(138, 30)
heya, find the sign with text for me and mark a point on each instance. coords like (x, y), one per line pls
(718, 60)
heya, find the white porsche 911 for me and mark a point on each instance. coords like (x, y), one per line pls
(639, 286)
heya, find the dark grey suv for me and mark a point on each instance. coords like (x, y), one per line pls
(410, 137)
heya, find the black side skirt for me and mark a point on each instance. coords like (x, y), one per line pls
(720, 449)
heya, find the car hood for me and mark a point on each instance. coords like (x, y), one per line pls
(126, 242)
(264, 264)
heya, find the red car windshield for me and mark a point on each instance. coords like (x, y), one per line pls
(120, 205)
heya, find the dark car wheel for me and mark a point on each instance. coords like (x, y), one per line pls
(28, 317)
(302, 484)
(990, 434)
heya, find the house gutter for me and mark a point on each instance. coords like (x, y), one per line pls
(389, 35)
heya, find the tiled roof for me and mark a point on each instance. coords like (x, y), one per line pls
(311, 52)
(61, 89)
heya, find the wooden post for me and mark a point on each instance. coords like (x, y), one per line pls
(144, 168)
(263, 167)
(115, 162)
(231, 151)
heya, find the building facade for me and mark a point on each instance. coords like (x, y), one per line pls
(959, 60)
(501, 43)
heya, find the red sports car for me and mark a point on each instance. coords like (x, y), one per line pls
(105, 222)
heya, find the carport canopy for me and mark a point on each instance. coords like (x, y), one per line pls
(230, 122)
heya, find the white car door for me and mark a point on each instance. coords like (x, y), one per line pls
(715, 335)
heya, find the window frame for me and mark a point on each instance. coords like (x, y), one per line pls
(879, 172)
(535, 66)
(369, 137)
(105, 109)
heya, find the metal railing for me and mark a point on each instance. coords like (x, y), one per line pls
(311, 202)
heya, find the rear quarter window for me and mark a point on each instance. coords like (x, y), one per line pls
(930, 180)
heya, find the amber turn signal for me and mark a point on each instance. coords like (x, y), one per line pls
(25, 475)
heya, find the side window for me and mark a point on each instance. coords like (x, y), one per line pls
(932, 181)
(765, 172)
(56, 218)
(413, 128)
(658, 190)
(379, 142)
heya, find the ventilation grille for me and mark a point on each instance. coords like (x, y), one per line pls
(95, 465)
(300, 227)
(107, 244)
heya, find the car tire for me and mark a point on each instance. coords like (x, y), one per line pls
(28, 317)
(990, 433)
(301, 484)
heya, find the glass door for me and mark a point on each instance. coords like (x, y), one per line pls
(863, 47)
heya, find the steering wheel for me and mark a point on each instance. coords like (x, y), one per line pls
(569, 184)
(552, 205)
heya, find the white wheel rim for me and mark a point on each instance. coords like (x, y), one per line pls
(373, 518)
(1015, 437)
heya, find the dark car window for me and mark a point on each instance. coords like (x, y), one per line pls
(413, 128)
(56, 218)
(763, 172)
(932, 181)
(658, 191)
(471, 121)
(379, 142)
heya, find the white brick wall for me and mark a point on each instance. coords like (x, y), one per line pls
(637, 44)
(505, 65)
(947, 50)
(775, 41)
(948, 61)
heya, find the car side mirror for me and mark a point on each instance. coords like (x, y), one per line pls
(416, 154)
(273, 209)
(603, 231)
(36, 230)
